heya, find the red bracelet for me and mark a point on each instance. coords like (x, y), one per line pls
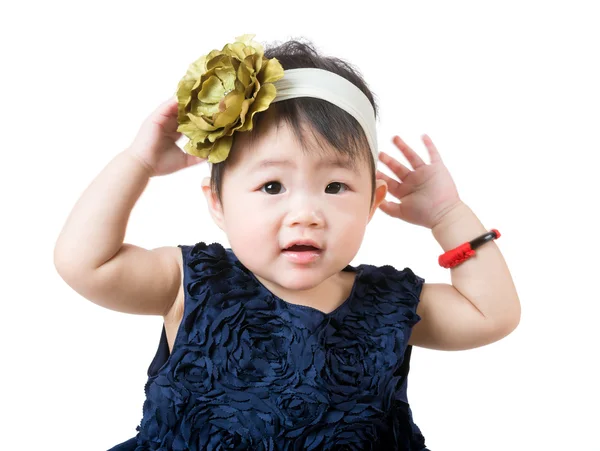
(465, 251)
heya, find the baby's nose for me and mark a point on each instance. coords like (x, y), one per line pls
(305, 216)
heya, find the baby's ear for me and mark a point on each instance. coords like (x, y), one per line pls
(214, 206)
(381, 190)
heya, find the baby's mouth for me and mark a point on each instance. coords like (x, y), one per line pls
(302, 254)
(301, 248)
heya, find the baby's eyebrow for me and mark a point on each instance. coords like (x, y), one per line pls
(344, 163)
(337, 162)
(263, 164)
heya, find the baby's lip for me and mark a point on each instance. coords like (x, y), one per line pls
(302, 243)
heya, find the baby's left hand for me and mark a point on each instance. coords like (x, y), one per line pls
(426, 193)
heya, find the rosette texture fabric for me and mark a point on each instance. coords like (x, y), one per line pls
(250, 371)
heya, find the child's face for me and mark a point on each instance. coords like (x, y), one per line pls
(275, 193)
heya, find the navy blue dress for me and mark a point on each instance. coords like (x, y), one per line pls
(250, 371)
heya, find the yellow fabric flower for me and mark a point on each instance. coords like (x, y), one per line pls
(220, 94)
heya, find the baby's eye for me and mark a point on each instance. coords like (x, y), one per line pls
(272, 188)
(336, 188)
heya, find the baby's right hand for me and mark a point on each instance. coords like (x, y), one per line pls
(155, 144)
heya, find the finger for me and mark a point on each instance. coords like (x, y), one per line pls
(393, 185)
(166, 109)
(166, 116)
(412, 157)
(396, 167)
(191, 160)
(390, 208)
(170, 104)
(170, 125)
(434, 155)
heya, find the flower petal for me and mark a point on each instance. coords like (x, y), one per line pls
(236, 50)
(227, 76)
(233, 107)
(212, 90)
(198, 149)
(244, 75)
(220, 150)
(218, 61)
(190, 130)
(271, 71)
(265, 96)
(200, 123)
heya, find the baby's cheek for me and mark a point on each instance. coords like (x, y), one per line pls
(351, 236)
(348, 236)
(250, 230)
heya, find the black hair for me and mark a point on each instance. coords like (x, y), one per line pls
(340, 130)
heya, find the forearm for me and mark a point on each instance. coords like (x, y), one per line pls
(483, 279)
(95, 229)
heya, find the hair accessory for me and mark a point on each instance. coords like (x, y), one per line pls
(465, 251)
(220, 94)
(222, 91)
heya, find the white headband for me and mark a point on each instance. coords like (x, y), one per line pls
(335, 89)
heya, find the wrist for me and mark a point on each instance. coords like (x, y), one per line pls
(450, 216)
(136, 157)
(457, 226)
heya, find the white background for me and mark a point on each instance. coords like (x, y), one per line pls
(508, 91)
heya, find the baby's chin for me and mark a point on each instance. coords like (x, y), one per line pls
(301, 277)
(299, 282)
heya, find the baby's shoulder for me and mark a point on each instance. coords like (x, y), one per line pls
(173, 252)
(173, 255)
